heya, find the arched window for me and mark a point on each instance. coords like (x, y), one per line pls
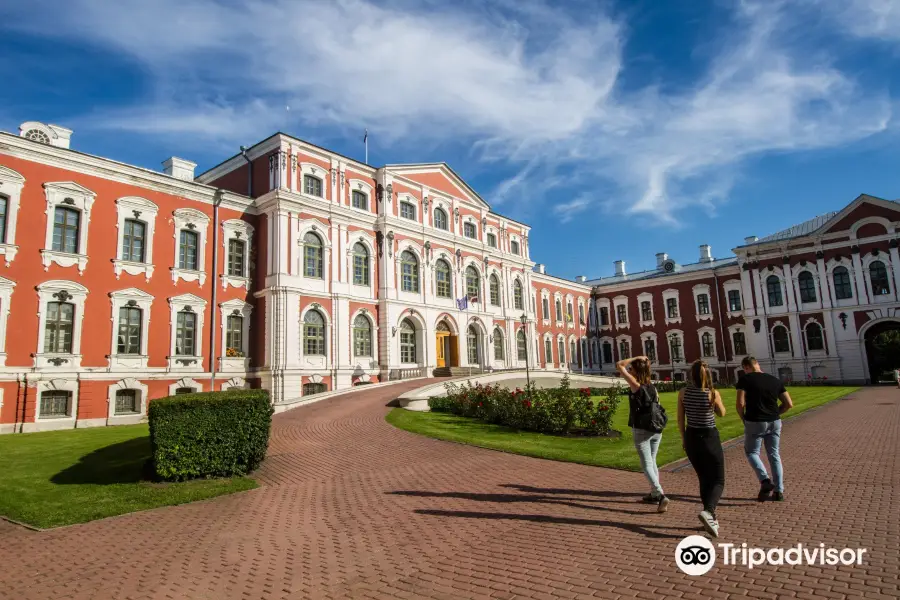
(807, 286)
(558, 310)
(362, 336)
(548, 351)
(314, 334)
(569, 314)
(545, 305)
(561, 348)
(521, 345)
(843, 289)
(409, 272)
(604, 315)
(573, 353)
(498, 344)
(814, 338)
(440, 219)
(312, 185)
(360, 264)
(518, 300)
(773, 287)
(472, 344)
(676, 346)
(780, 340)
(312, 255)
(407, 342)
(709, 347)
(624, 349)
(360, 200)
(650, 349)
(878, 278)
(473, 283)
(739, 342)
(581, 313)
(442, 279)
(495, 291)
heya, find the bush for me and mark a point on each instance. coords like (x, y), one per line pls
(558, 411)
(211, 434)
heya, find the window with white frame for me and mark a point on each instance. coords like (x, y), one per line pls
(518, 295)
(6, 289)
(408, 350)
(492, 240)
(408, 211)
(569, 316)
(127, 401)
(313, 256)
(646, 311)
(237, 237)
(773, 291)
(470, 230)
(621, 314)
(781, 341)
(312, 185)
(495, 290)
(473, 284)
(442, 278)
(561, 347)
(498, 344)
(739, 343)
(806, 284)
(359, 200)
(604, 316)
(362, 336)
(11, 184)
(514, 247)
(409, 272)
(136, 226)
(624, 349)
(314, 333)
(56, 404)
(676, 346)
(703, 304)
(843, 287)
(581, 313)
(815, 338)
(559, 317)
(734, 300)
(61, 313)
(878, 278)
(190, 245)
(235, 321)
(607, 353)
(672, 307)
(361, 274)
(186, 316)
(131, 316)
(650, 348)
(573, 352)
(548, 351)
(707, 343)
(440, 219)
(68, 219)
(521, 345)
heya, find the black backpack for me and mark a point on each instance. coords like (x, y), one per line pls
(652, 416)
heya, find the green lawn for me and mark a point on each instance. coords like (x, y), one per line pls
(65, 477)
(603, 452)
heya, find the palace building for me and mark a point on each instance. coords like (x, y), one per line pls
(296, 269)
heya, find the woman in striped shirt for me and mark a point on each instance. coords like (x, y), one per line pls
(698, 405)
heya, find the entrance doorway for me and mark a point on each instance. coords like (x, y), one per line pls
(446, 347)
(882, 342)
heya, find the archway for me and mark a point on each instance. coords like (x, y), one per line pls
(447, 349)
(882, 345)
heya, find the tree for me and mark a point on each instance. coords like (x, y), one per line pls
(888, 345)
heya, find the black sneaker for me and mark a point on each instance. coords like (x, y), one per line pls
(765, 488)
(778, 497)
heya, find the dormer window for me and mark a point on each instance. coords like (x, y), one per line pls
(36, 135)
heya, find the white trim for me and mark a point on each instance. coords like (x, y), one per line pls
(712, 332)
(650, 335)
(787, 328)
(698, 290)
(80, 198)
(6, 289)
(127, 383)
(185, 382)
(178, 304)
(672, 360)
(142, 300)
(197, 221)
(11, 184)
(320, 230)
(738, 328)
(727, 287)
(236, 229)
(316, 361)
(355, 360)
(50, 423)
(75, 294)
(617, 302)
(830, 268)
(666, 295)
(641, 298)
(885, 259)
(764, 275)
(145, 211)
(235, 382)
(243, 310)
(814, 353)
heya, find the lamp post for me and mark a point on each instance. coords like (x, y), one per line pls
(524, 320)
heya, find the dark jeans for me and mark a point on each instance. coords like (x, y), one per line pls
(704, 450)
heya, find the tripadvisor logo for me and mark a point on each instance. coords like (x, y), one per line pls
(696, 555)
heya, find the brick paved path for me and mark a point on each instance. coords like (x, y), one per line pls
(352, 508)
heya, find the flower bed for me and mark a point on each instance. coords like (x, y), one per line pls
(563, 410)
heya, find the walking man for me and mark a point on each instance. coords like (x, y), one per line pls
(761, 400)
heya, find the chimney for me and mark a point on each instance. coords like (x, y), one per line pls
(705, 253)
(539, 268)
(752, 239)
(620, 268)
(660, 259)
(580, 279)
(179, 168)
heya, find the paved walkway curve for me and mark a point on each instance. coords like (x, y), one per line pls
(352, 508)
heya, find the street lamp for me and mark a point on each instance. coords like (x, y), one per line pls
(524, 320)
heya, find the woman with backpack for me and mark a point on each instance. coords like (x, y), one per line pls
(698, 405)
(646, 417)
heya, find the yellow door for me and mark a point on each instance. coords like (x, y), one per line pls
(441, 357)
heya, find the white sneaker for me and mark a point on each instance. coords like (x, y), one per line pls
(663, 505)
(710, 524)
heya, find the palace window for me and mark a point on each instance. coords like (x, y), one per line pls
(518, 300)
(581, 314)
(676, 347)
(708, 345)
(58, 328)
(409, 272)
(604, 315)
(407, 342)
(621, 314)
(312, 185)
(561, 347)
(773, 287)
(548, 351)
(569, 315)
(739, 343)
(237, 250)
(492, 240)
(514, 247)
(472, 345)
(734, 300)
(184, 390)
(650, 349)
(408, 211)
(4, 208)
(66, 223)
(56, 404)
(521, 345)
(646, 311)
(545, 305)
(312, 388)
(473, 284)
(814, 338)
(186, 333)
(440, 219)
(314, 334)
(807, 286)
(234, 335)
(359, 200)
(607, 353)
(133, 240)
(573, 353)
(498, 344)
(442, 279)
(470, 230)
(312, 256)
(362, 336)
(127, 402)
(878, 277)
(187, 250)
(843, 289)
(558, 310)
(360, 264)
(703, 304)
(624, 349)
(780, 339)
(495, 291)
(672, 307)
(129, 337)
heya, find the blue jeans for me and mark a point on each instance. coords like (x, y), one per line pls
(768, 433)
(647, 444)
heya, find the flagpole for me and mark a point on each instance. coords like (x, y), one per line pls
(366, 142)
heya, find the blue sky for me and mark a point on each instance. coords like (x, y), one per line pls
(617, 129)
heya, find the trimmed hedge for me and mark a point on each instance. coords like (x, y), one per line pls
(209, 434)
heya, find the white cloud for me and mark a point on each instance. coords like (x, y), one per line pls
(566, 211)
(879, 19)
(532, 88)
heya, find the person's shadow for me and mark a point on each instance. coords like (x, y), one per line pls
(124, 462)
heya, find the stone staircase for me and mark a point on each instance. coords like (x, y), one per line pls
(457, 371)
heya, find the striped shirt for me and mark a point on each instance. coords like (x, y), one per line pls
(697, 409)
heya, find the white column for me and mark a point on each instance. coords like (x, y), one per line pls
(747, 290)
(341, 326)
(861, 294)
(282, 229)
(823, 283)
(789, 286)
(755, 274)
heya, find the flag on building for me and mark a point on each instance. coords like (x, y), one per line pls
(462, 303)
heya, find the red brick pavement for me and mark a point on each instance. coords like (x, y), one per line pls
(352, 508)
